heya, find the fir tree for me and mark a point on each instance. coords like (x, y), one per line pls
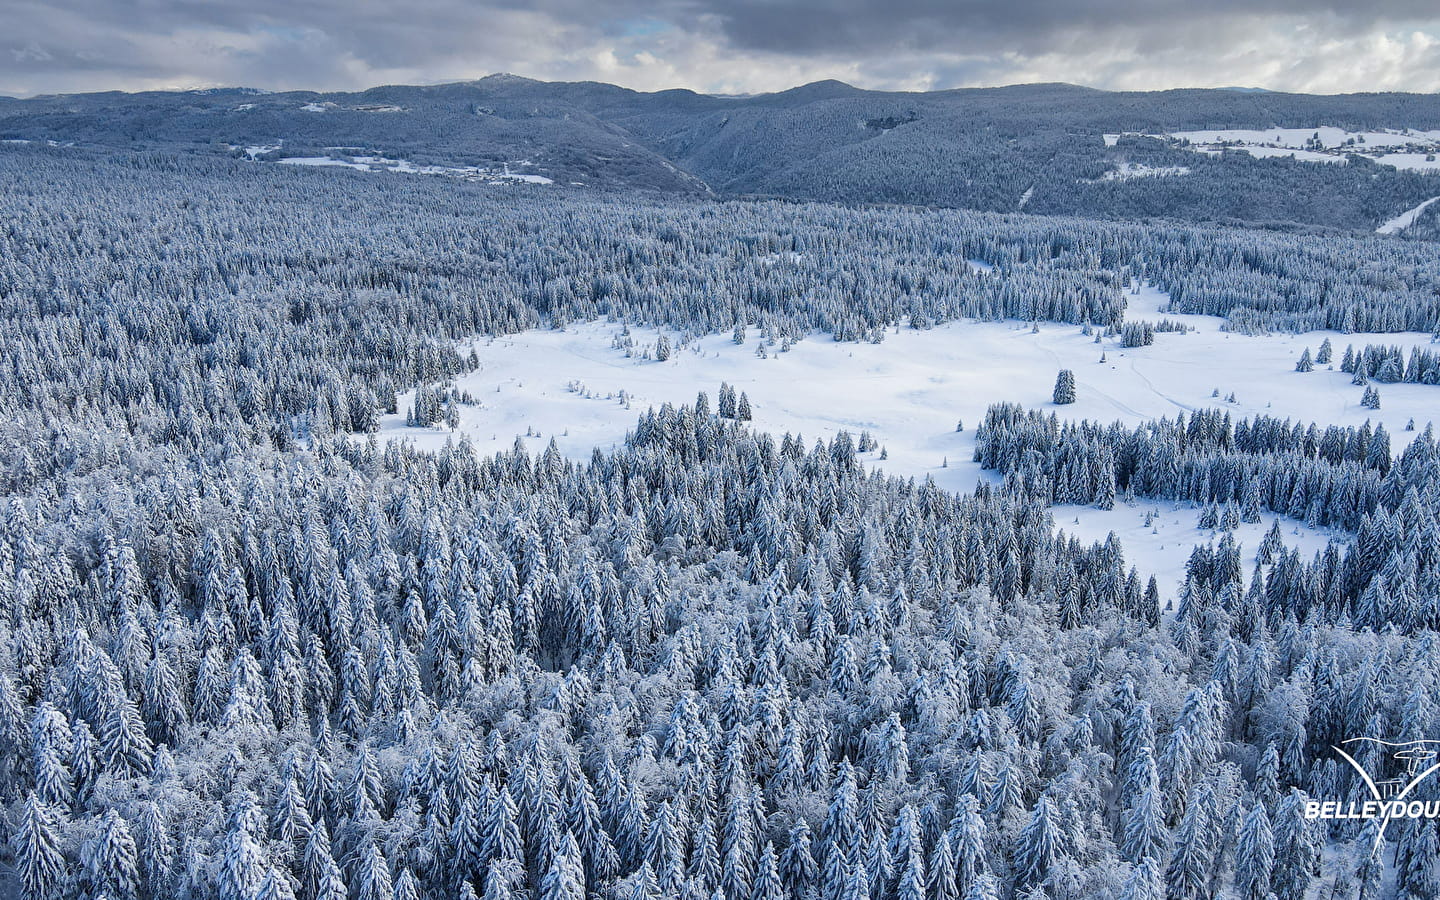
(1254, 856)
(35, 843)
(1037, 847)
(1064, 387)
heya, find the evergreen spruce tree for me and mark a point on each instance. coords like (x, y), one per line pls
(1420, 874)
(1194, 851)
(1254, 856)
(798, 870)
(35, 843)
(1064, 387)
(372, 879)
(564, 878)
(1037, 847)
(725, 405)
(1297, 856)
(1144, 882)
(110, 859)
(276, 886)
(243, 864)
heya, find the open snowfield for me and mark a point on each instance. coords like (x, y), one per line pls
(1418, 162)
(910, 391)
(1405, 149)
(405, 166)
(322, 161)
(1330, 137)
(1261, 152)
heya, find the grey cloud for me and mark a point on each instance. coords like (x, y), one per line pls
(1026, 26)
(719, 45)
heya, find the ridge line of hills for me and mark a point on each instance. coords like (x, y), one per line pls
(1037, 148)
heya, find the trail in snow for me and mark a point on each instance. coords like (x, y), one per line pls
(1405, 219)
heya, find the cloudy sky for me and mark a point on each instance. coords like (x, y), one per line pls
(723, 46)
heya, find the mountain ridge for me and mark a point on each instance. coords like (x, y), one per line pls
(1036, 147)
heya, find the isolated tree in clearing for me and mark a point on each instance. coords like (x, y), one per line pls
(1064, 387)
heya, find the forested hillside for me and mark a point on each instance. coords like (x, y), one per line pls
(1037, 148)
(248, 652)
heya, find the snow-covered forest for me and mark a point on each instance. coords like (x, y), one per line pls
(247, 650)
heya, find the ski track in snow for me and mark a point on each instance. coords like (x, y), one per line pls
(910, 390)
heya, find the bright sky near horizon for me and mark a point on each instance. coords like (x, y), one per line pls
(721, 46)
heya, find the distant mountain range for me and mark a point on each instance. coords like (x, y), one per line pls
(1037, 148)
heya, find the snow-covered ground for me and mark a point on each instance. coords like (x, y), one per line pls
(1403, 149)
(1268, 152)
(375, 163)
(1326, 137)
(1162, 548)
(322, 161)
(1405, 219)
(911, 390)
(1126, 170)
(1417, 162)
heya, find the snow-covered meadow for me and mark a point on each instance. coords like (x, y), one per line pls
(375, 163)
(1404, 149)
(911, 391)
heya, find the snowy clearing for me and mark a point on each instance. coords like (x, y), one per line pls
(376, 163)
(1162, 548)
(1403, 149)
(910, 391)
(1126, 171)
(1325, 137)
(1405, 219)
(1276, 152)
(1416, 162)
(322, 161)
